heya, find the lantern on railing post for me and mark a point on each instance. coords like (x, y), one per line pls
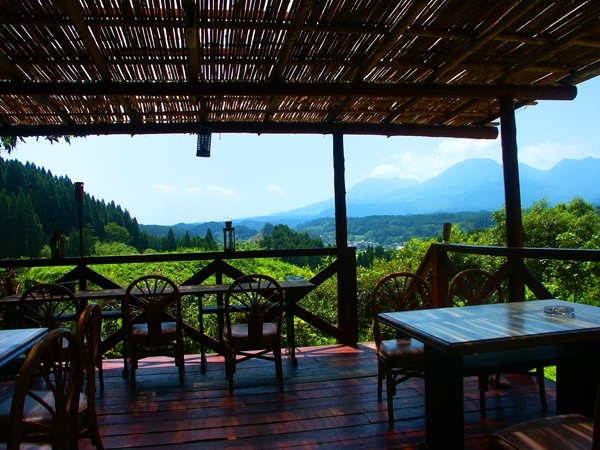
(228, 236)
(57, 245)
(447, 228)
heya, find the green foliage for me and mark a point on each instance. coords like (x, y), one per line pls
(394, 231)
(9, 143)
(282, 237)
(116, 233)
(367, 257)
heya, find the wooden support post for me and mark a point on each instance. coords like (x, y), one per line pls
(339, 188)
(347, 301)
(512, 189)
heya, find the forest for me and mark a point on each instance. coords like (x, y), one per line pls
(34, 204)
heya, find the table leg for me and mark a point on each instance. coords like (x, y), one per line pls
(291, 334)
(201, 329)
(125, 359)
(577, 378)
(444, 417)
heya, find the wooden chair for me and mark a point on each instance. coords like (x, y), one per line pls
(153, 321)
(88, 333)
(48, 306)
(479, 287)
(399, 357)
(52, 306)
(48, 414)
(564, 432)
(253, 314)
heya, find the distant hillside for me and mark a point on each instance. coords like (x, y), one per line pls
(393, 231)
(472, 185)
(242, 232)
(393, 210)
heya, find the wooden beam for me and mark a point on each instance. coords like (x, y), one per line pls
(255, 89)
(75, 15)
(376, 129)
(568, 39)
(388, 41)
(486, 35)
(291, 38)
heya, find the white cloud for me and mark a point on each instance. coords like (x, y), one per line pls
(275, 189)
(424, 164)
(546, 155)
(163, 189)
(385, 171)
(222, 191)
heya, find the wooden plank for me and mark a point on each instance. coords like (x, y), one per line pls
(330, 400)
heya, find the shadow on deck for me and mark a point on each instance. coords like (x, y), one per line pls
(330, 401)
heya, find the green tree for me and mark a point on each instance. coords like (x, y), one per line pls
(210, 242)
(169, 244)
(116, 233)
(186, 241)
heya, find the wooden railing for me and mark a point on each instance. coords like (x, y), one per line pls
(438, 267)
(343, 267)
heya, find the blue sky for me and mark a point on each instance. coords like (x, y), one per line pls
(161, 181)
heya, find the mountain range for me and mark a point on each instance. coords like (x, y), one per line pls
(471, 185)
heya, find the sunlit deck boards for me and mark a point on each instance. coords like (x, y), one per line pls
(330, 400)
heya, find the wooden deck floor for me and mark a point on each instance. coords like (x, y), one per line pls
(330, 401)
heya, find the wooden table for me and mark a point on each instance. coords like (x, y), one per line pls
(15, 342)
(489, 338)
(293, 290)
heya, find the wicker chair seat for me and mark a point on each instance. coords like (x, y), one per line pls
(572, 431)
(167, 328)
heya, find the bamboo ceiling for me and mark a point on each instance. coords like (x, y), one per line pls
(420, 67)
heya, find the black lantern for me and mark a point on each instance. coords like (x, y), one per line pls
(228, 236)
(204, 137)
(57, 245)
(79, 196)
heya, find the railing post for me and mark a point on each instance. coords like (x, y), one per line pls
(347, 296)
(82, 277)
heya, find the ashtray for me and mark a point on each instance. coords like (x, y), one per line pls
(294, 278)
(559, 311)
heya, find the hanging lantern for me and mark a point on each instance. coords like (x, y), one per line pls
(204, 136)
(228, 237)
(57, 245)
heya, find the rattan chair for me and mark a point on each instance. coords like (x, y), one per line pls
(564, 432)
(88, 333)
(399, 357)
(253, 315)
(48, 306)
(47, 392)
(479, 287)
(153, 321)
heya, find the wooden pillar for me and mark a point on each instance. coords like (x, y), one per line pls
(347, 298)
(512, 189)
(339, 189)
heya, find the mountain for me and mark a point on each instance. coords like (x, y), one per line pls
(471, 185)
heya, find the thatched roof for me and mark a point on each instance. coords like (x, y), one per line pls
(420, 67)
